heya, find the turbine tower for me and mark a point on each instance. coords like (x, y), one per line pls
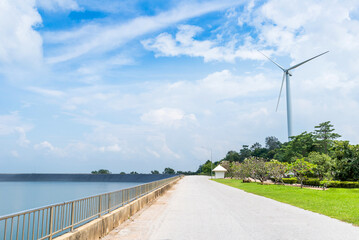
(286, 75)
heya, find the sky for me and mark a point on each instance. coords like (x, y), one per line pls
(135, 85)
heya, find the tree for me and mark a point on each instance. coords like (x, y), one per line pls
(324, 165)
(272, 143)
(236, 169)
(346, 157)
(277, 170)
(260, 169)
(186, 173)
(301, 168)
(155, 172)
(256, 146)
(205, 168)
(299, 146)
(101, 171)
(169, 171)
(246, 169)
(244, 153)
(324, 133)
(258, 151)
(255, 168)
(133, 172)
(232, 156)
(303, 144)
(228, 166)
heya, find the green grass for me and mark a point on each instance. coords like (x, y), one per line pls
(339, 203)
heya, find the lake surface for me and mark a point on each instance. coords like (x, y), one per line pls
(21, 196)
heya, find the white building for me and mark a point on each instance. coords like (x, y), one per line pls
(219, 172)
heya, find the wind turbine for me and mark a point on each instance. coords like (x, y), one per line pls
(286, 75)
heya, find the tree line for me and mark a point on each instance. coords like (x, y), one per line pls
(310, 154)
(167, 170)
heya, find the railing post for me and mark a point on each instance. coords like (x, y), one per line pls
(51, 218)
(99, 205)
(123, 196)
(72, 215)
(109, 202)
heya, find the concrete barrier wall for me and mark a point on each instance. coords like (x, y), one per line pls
(38, 177)
(102, 226)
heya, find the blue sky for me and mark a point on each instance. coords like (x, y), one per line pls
(144, 85)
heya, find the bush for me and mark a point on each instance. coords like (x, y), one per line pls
(290, 180)
(101, 171)
(340, 184)
(318, 183)
(312, 182)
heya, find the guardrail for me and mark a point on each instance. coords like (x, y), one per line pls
(57, 219)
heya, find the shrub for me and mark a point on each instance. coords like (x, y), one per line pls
(246, 180)
(290, 180)
(340, 184)
(317, 182)
(312, 182)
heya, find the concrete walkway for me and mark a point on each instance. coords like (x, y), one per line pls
(197, 208)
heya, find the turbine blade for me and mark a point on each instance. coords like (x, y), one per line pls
(295, 66)
(280, 92)
(272, 61)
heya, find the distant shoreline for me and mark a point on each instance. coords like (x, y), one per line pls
(80, 177)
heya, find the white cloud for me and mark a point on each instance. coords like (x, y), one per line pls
(168, 104)
(224, 85)
(55, 5)
(93, 71)
(19, 42)
(98, 39)
(111, 148)
(211, 50)
(12, 124)
(167, 117)
(46, 92)
(23, 141)
(154, 153)
(160, 142)
(110, 6)
(161, 122)
(14, 153)
(45, 145)
(46, 148)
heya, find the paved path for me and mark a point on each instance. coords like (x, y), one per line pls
(197, 208)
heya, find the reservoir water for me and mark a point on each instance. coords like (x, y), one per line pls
(21, 196)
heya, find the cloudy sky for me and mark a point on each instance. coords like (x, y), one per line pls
(141, 85)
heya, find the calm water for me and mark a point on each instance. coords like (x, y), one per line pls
(20, 196)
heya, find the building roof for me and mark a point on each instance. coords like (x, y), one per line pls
(219, 168)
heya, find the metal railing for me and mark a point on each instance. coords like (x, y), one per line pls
(57, 219)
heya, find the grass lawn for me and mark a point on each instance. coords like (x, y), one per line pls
(339, 203)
